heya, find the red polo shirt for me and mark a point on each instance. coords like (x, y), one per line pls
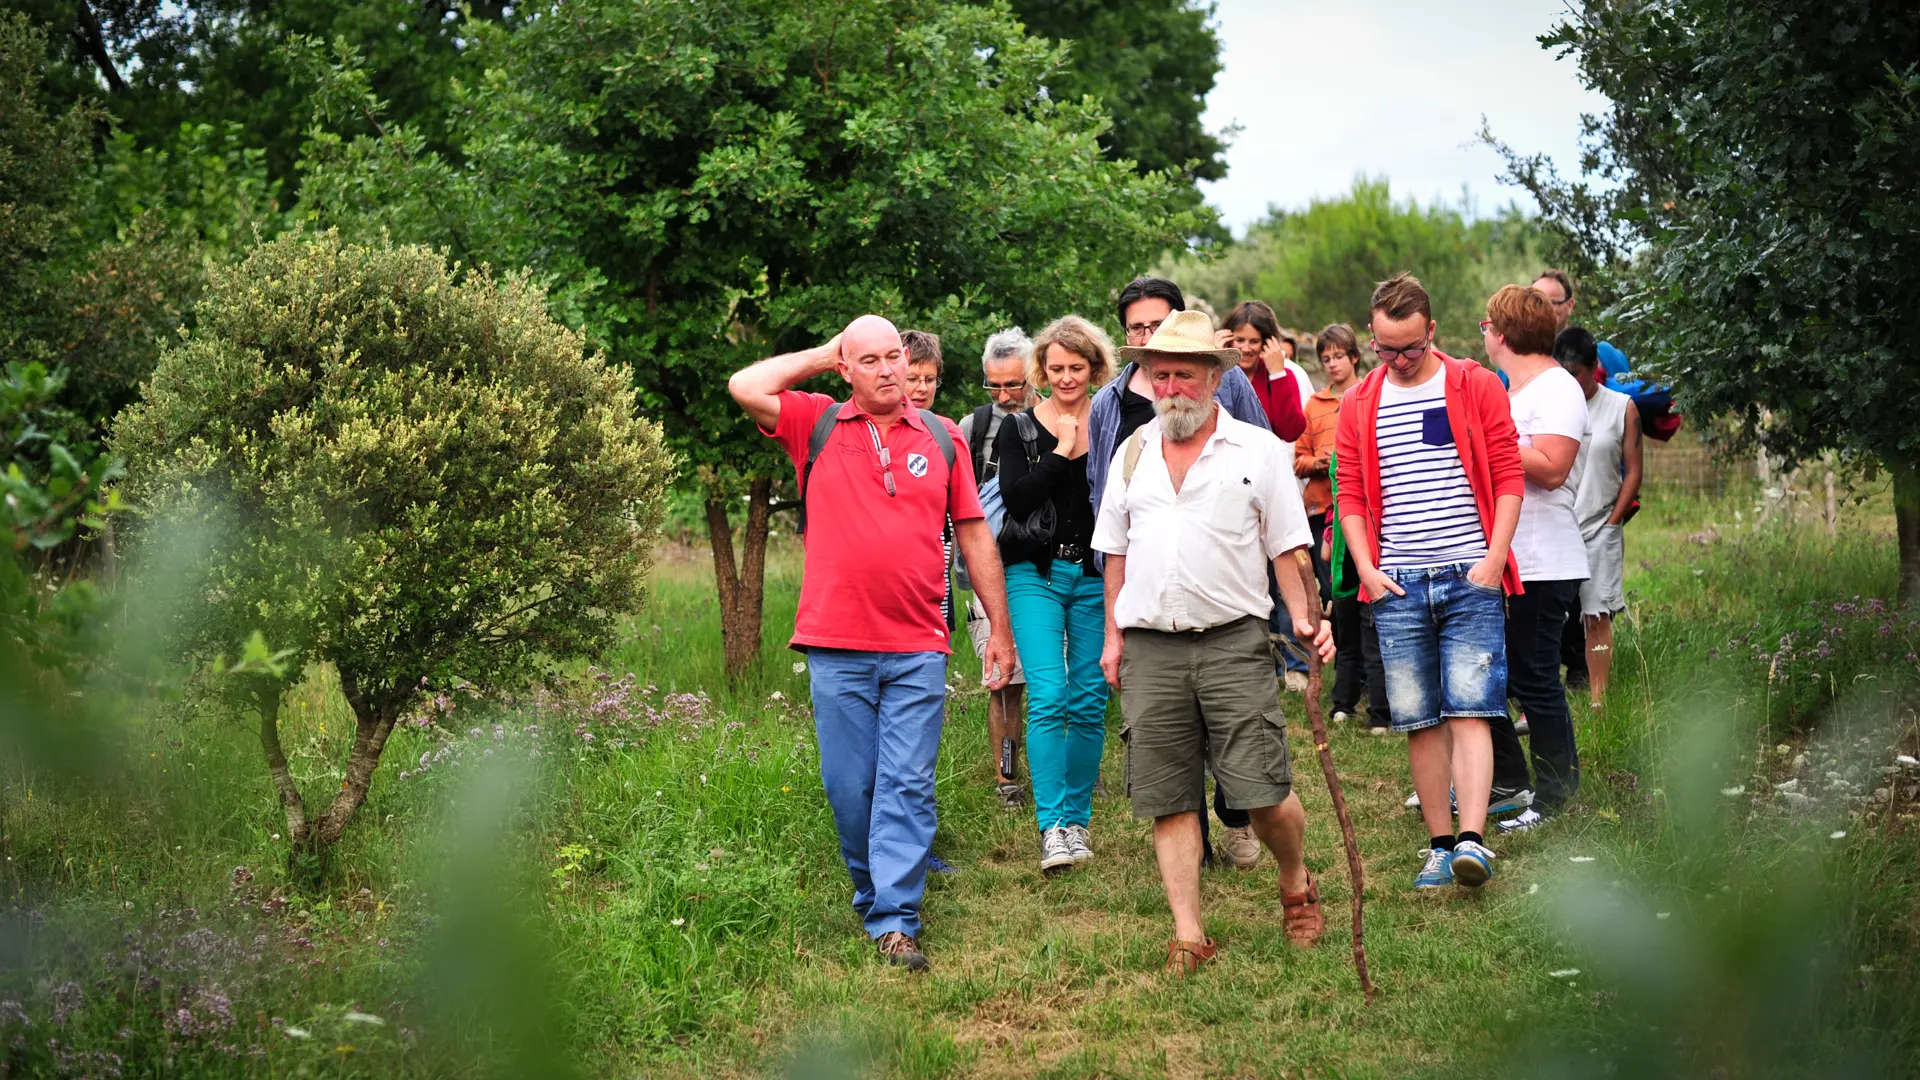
(875, 572)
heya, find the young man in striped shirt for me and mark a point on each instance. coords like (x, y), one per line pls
(1430, 491)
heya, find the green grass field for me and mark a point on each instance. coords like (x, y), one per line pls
(636, 875)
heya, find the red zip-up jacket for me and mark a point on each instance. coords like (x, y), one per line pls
(1483, 433)
(1281, 399)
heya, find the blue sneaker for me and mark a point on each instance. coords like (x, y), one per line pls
(1438, 873)
(937, 865)
(1472, 864)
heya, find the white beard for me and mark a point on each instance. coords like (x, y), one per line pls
(1181, 418)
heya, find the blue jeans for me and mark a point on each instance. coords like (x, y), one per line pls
(1059, 627)
(1443, 647)
(877, 716)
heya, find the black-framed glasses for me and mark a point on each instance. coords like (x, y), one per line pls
(1143, 328)
(1411, 352)
(1004, 387)
(1560, 303)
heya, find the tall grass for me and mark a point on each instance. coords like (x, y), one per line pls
(670, 898)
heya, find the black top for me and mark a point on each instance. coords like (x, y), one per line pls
(1135, 411)
(1053, 479)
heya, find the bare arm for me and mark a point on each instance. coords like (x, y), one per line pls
(758, 388)
(1116, 576)
(989, 585)
(1548, 461)
(1631, 458)
(1360, 548)
(1301, 594)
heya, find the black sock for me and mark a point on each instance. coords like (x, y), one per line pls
(1471, 838)
(1440, 843)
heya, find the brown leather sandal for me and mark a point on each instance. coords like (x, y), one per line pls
(1301, 911)
(1186, 957)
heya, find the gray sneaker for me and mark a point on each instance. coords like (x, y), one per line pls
(1507, 800)
(1056, 851)
(1242, 848)
(1077, 844)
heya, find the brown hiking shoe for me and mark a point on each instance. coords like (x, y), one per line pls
(1186, 957)
(902, 951)
(1301, 910)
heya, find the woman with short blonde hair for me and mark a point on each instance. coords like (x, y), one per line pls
(1055, 598)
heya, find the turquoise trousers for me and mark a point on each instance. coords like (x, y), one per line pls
(1059, 626)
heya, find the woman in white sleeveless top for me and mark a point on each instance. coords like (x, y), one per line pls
(1609, 472)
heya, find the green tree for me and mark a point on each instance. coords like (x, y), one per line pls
(1319, 265)
(716, 184)
(1151, 63)
(411, 473)
(1759, 204)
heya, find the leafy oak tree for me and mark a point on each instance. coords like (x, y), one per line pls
(409, 472)
(706, 185)
(1759, 213)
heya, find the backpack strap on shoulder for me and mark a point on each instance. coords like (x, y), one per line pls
(1028, 429)
(1136, 442)
(942, 438)
(816, 442)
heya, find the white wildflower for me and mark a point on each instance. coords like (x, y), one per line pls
(1837, 834)
(1580, 858)
(295, 1033)
(1563, 973)
(364, 1018)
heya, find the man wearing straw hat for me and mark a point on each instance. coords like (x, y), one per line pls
(1197, 504)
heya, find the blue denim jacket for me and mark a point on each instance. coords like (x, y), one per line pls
(1103, 425)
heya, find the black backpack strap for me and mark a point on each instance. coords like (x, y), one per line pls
(979, 432)
(816, 442)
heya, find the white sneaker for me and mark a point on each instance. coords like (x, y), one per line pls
(1077, 844)
(1526, 821)
(1056, 851)
(1340, 715)
(1296, 682)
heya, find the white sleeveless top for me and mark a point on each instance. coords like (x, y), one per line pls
(1602, 476)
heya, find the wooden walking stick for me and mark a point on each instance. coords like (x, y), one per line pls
(1355, 871)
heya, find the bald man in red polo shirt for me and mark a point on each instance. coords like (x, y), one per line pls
(877, 499)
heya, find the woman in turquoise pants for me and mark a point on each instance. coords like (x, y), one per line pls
(1054, 592)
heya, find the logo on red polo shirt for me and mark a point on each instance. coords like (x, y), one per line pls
(917, 464)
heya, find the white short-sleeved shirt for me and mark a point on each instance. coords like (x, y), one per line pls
(1547, 543)
(1198, 558)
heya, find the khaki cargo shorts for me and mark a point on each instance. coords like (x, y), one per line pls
(1191, 700)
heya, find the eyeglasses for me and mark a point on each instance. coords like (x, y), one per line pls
(1143, 329)
(1411, 352)
(1559, 303)
(1486, 325)
(923, 380)
(1004, 387)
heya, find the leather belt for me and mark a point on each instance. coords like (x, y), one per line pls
(1073, 553)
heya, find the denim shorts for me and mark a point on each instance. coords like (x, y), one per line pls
(1443, 645)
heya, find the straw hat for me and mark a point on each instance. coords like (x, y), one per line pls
(1183, 334)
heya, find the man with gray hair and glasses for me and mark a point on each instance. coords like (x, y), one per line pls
(1003, 367)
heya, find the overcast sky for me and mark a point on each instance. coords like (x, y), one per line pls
(1396, 88)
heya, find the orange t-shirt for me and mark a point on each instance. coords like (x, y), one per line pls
(1314, 450)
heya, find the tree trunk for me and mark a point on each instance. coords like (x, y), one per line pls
(741, 583)
(1906, 528)
(267, 700)
(373, 723)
